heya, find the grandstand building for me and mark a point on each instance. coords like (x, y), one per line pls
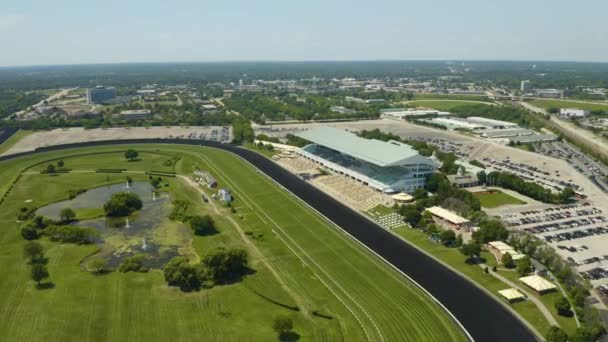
(390, 167)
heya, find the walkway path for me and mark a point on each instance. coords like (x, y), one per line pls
(257, 253)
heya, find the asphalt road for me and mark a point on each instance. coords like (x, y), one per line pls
(482, 316)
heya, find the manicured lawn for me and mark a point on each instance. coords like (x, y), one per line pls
(445, 105)
(568, 104)
(495, 198)
(314, 266)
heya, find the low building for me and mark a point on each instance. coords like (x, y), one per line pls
(463, 179)
(570, 113)
(549, 93)
(533, 138)
(402, 113)
(491, 123)
(538, 284)
(225, 195)
(342, 110)
(136, 114)
(205, 177)
(512, 295)
(499, 249)
(364, 101)
(448, 219)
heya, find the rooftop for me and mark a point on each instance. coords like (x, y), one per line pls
(447, 215)
(538, 283)
(511, 294)
(373, 151)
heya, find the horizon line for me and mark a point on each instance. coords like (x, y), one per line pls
(228, 61)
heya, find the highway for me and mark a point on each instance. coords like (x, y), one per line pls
(480, 314)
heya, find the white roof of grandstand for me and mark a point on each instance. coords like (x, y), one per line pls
(370, 150)
(538, 283)
(447, 215)
(511, 294)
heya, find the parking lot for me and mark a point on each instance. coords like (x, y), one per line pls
(587, 166)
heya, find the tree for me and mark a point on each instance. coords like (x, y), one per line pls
(283, 325)
(566, 195)
(131, 154)
(523, 266)
(60, 163)
(32, 250)
(122, 204)
(470, 250)
(29, 232)
(223, 266)
(178, 272)
(98, 265)
(50, 168)
(202, 225)
(67, 215)
(38, 273)
(556, 334)
(447, 237)
(458, 241)
(507, 260)
(562, 306)
(491, 231)
(411, 215)
(419, 193)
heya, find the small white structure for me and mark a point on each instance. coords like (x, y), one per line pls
(538, 284)
(512, 295)
(573, 113)
(499, 249)
(225, 195)
(401, 113)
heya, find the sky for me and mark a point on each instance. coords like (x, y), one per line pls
(43, 32)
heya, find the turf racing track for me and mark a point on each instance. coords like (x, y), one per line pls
(481, 315)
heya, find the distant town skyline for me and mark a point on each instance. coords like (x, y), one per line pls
(38, 32)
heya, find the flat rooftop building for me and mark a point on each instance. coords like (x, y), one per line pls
(538, 284)
(389, 167)
(135, 114)
(448, 219)
(401, 113)
(491, 123)
(451, 123)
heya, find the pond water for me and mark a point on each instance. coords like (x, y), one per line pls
(122, 237)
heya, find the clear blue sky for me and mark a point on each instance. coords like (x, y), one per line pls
(110, 31)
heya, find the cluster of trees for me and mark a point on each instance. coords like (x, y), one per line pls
(51, 168)
(242, 131)
(122, 204)
(72, 234)
(59, 230)
(219, 266)
(34, 253)
(282, 105)
(536, 191)
(12, 101)
(133, 264)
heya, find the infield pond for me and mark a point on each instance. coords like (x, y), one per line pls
(146, 232)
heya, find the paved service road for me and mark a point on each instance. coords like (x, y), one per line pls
(481, 315)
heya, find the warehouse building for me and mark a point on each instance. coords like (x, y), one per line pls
(390, 167)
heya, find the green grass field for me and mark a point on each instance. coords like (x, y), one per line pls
(445, 105)
(10, 142)
(495, 198)
(302, 260)
(569, 104)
